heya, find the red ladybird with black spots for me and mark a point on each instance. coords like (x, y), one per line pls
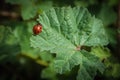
(37, 29)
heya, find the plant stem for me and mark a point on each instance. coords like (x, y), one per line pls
(39, 61)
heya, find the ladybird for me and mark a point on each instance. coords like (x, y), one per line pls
(37, 29)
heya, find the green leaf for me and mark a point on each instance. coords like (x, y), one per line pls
(75, 25)
(103, 15)
(44, 5)
(66, 28)
(101, 52)
(6, 35)
(112, 67)
(9, 48)
(46, 56)
(113, 70)
(66, 61)
(112, 33)
(28, 12)
(49, 73)
(90, 64)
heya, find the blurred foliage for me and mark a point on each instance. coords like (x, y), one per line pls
(18, 61)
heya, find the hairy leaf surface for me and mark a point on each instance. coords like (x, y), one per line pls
(64, 30)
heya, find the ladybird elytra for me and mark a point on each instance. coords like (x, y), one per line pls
(37, 29)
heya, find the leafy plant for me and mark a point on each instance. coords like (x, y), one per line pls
(65, 31)
(73, 43)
